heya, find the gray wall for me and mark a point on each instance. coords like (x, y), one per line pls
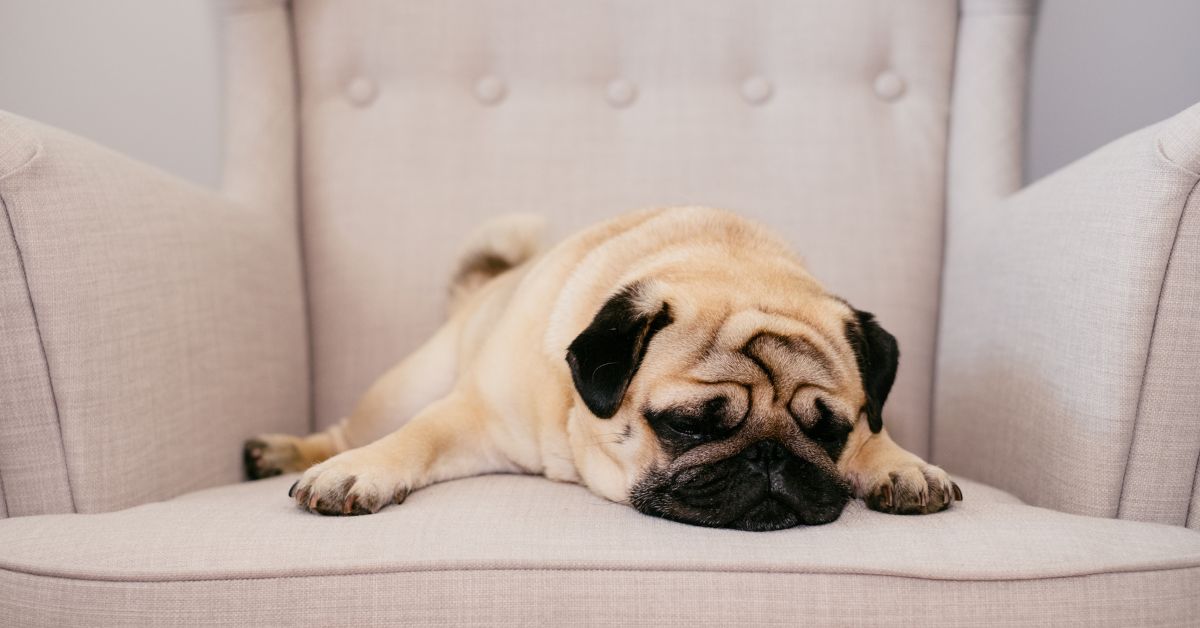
(142, 76)
(1103, 68)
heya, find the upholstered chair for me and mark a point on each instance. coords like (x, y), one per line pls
(1050, 335)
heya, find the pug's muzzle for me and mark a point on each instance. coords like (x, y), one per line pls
(763, 487)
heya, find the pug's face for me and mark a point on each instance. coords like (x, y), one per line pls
(715, 410)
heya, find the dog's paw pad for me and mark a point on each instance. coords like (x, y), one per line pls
(915, 489)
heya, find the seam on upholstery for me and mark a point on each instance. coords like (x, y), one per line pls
(301, 242)
(1137, 413)
(37, 154)
(37, 326)
(1187, 517)
(482, 569)
(1162, 152)
(4, 493)
(945, 241)
(1164, 156)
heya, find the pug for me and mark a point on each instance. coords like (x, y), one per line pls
(681, 361)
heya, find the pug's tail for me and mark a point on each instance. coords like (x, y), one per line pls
(496, 246)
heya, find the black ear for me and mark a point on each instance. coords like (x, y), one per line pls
(878, 356)
(605, 356)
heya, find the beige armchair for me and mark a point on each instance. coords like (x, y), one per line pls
(1050, 336)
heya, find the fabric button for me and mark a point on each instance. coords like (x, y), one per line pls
(490, 90)
(620, 93)
(361, 91)
(889, 86)
(756, 90)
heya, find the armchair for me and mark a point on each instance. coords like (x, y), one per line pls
(1049, 335)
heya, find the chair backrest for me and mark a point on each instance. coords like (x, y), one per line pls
(830, 121)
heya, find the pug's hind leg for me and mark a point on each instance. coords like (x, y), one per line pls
(891, 479)
(444, 441)
(400, 393)
(268, 455)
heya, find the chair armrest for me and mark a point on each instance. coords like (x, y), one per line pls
(147, 327)
(1068, 367)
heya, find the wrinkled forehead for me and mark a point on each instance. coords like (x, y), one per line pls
(753, 350)
(752, 345)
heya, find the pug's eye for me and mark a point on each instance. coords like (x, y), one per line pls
(829, 431)
(686, 426)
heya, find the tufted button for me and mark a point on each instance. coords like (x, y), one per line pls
(620, 93)
(889, 86)
(361, 91)
(490, 90)
(756, 90)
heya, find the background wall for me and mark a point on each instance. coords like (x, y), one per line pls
(1103, 68)
(140, 76)
(143, 76)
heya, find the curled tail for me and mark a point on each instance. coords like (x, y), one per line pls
(495, 247)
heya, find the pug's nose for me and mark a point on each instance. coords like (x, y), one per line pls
(766, 455)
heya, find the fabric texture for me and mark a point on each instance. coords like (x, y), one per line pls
(511, 549)
(1160, 478)
(155, 326)
(260, 106)
(825, 120)
(31, 455)
(1194, 510)
(991, 65)
(148, 326)
(607, 598)
(1067, 357)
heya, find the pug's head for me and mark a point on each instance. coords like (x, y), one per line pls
(702, 404)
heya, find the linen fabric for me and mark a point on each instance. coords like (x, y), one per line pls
(149, 328)
(827, 121)
(260, 106)
(31, 455)
(1166, 441)
(513, 549)
(1068, 342)
(991, 66)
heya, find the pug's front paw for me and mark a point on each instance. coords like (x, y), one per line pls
(348, 484)
(911, 488)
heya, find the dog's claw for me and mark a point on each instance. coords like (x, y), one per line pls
(292, 491)
(957, 492)
(886, 496)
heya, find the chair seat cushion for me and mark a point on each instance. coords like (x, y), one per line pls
(524, 550)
